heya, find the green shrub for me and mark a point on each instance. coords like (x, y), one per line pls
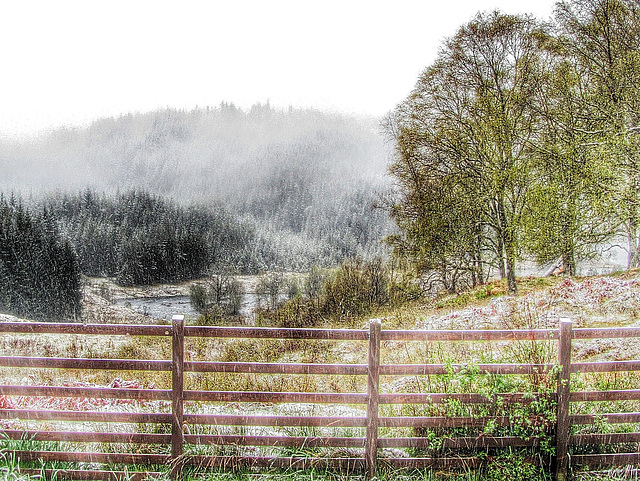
(356, 289)
(514, 466)
(295, 313)
(220, 296)
(269, 288)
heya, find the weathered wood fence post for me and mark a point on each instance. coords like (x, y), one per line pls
(177, 396)
(564, 387)
(373, 385)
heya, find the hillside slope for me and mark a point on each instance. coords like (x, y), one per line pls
(306, 179)
(599, 301)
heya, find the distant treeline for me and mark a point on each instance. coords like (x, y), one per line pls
(139, 238)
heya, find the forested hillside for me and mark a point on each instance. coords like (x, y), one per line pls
(300, 182)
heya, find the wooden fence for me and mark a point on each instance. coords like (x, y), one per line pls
(364, 455)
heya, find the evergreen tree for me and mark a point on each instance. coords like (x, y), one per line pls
(39, 273)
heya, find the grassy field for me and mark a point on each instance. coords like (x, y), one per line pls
(590, 302)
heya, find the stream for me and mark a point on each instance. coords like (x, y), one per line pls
(166, 307)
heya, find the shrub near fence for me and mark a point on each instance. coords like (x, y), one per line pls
(182, 427)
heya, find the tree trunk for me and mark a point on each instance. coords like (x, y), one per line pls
(506, 240)
(501, 256)
(633, 258)
(569, 257)
(512, 286)
(568, 240)
(478, 270)
(569, 263)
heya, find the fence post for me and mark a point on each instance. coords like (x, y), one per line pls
(177, 396)
(373, 384)
(562, 413)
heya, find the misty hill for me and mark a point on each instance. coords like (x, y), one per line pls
(305, 180)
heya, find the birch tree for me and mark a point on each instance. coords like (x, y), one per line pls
(603, 36)
(470, 122)
(569, 202)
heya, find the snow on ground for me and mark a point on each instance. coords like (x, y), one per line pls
(593, 302)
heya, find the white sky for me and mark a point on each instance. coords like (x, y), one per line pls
(69, 62)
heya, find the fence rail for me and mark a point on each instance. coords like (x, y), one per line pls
(182, 425)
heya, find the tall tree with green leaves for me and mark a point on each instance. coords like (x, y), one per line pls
(603, 37)
(469, 124)
(440, 236)
(570, 198)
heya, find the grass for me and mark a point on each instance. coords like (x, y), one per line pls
(526, 312)
(10, 471)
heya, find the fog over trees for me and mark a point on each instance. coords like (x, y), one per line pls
(294, 187)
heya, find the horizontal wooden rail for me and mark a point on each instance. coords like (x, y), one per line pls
(277, 441)
(277, 368)
(613, 395)
(102, 458)
(309, 421)
(86, 392)
(90, 474)
(85, 416)
(606, 438)
(433, 463)
(605, 333)
(470, 335)
(439, 398)
(277, 333)
(84, 329)
(84, 364)
(202, 462)
(624, 459)
(237, 462)
(88, 437)
(275, 397)
(611, 418)
(479, 442)
(606, 366)
(438, 369)
(442, 422)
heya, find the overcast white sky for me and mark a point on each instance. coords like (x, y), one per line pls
(70, 62)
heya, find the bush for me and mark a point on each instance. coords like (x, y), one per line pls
(514, 467)
(221, 296)
(198, 297)
(269, 289)
(357, 288)
(295, 313)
